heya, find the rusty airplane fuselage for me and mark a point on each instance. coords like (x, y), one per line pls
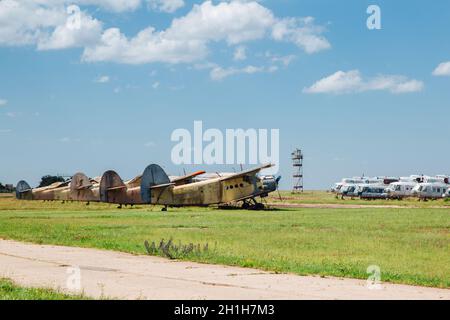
(80, 188)
(209, 192)
(158, 189)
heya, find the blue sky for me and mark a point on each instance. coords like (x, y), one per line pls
(358, 101)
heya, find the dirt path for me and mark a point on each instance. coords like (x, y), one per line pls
(119, 275)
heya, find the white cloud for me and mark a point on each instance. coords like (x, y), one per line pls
(235, 22)
(204, 65)
(102, 79)
(240, 53)
(5, 131)
(352, 81)
(147, 47)
(302, 32)
(272, 69)
(23, 22)
(67, 36)
(187, 38)
(46, 24)
(150, 144)
(155, 85)
(112, 5)
(219, 73)
(284, 60)
(168, 6)
(339, 82)
(68, 140)
(3, 102)
(442, 69)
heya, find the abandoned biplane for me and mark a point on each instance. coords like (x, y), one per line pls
(155, 187)
(79, 188)
(82, 188)
(114, 190)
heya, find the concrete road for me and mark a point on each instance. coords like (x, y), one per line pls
(118, 275)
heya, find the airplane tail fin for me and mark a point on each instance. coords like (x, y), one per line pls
(153, 175)
(23, 191)
(110, 182)
(80, 182)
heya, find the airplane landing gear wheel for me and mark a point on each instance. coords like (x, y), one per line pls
(245, 206)
(259, 206)
(164, 209)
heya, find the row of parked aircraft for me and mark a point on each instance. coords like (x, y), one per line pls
(155, 187)
(419, 186)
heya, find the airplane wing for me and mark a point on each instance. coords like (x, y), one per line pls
(247, 172)
(134, 182)
(187, 177)
(160, 186)
(55, 185)
(117, 188)
(85, 187)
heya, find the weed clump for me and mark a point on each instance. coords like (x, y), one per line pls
(176, 251)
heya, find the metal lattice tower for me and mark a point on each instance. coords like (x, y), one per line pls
(297, 162)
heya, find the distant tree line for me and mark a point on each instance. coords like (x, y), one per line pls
(5, 188)
(49, 179)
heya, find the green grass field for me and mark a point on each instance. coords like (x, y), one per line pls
(323, 197)
(410, 245)
(10, 291)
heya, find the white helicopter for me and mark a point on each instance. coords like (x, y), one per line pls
(432, 188)
(447, 194)
(370, 187)
(403, 188)
(346, 181)
(375, 188)
(347, 186)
